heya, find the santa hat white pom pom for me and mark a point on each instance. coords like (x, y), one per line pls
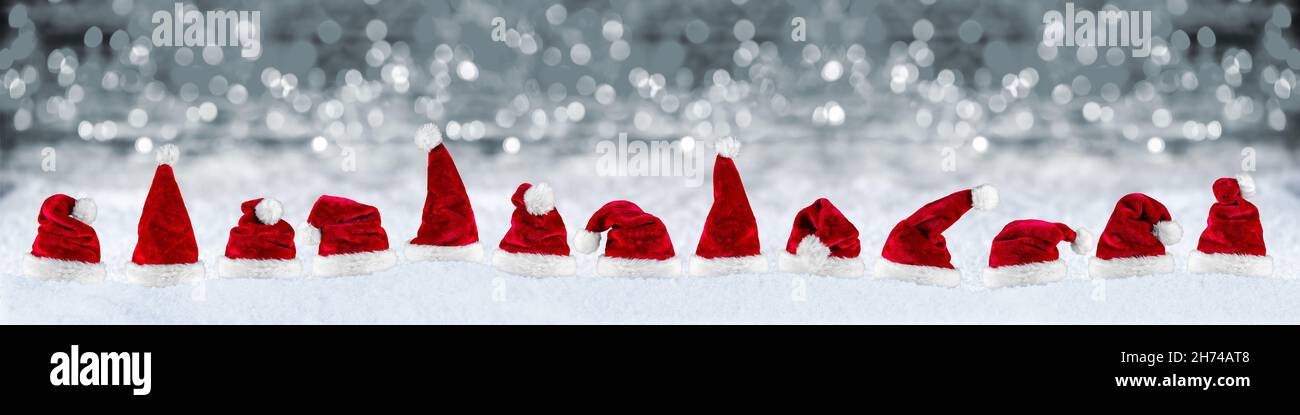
(1169, 232)
(85, 210)
(1084, 242)
(167, 154)
(984, 197)
(308, 235)
(586, 241)
(813, 252)
(539, 199)
(727, 147)
(1247, 184)
(269, 211)
(428, 136)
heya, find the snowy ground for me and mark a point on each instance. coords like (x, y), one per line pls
(874, 184)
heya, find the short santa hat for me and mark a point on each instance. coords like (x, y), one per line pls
(1025, 253)
(638, 244)
(1134, 240)
(1233, 240)
(537, 243)
(447, 228)
(822, 241)
(916, 250)
(166, 252)
(66, 247)
(261, 245)
(729, 243)
(351, 237)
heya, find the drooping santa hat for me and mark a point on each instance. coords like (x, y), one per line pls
(823, 242)
(351, 238)
(537, 243)
(638, 244)
(166, 252)
(1134, 240)
(916, 250)
(1233, 240)
(447, 228)
(729, 243)
(1025, 253)
(261, 245)
(66, 246)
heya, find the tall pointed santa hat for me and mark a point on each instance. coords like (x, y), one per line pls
(638, 244)
(1134, 240)
(729, 243)
(537, 243)
(1233, 240)
(447, 228)
(916, 250)
(351, 237)
(261, 245)
(822, 241)
(166, 252)
(1025, 253)
(66, 247)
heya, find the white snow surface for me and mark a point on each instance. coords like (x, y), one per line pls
(874, 183)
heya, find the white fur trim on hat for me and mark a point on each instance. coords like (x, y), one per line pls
(268, 211)
(428, 136)
(467, 253)
(639, 268)
(1033, 273)
(984, 197)
(1232, 264)
(167, 154)
(1169, 232)
(162, 275)
(50, 269)
(585, 241)
(534, 265)
(258, 268)
(832, 267)
(1084, 242)
(919, 274)
(727, 147)
(85, 210)
(308, 235)
(1247, 185)
(360, 263)
(709, 267)
(1129, 267)
(539, 199)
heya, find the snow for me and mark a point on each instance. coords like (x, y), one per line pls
(875, 183)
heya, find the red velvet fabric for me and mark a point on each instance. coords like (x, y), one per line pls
(918, 240)
(166, 236)
(1028, 241)
(252, 239)
(448, 218)
(62, 237)
(730, 229)
(1130, 231)
(633, 234)
(531, 234)
(1233, 226)
(824, 220)
(347, 227)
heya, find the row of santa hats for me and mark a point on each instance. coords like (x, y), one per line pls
(351, 240)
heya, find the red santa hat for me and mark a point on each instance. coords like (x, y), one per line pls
(916, 250)
(537, 243)
(1233, 240)
(1134, 240)
(261, 245)
(447, 228)
(1025, 253)
(638, 244)
(166, 252)
(351, 237)
(822, 241)
(729, 243)
(66, 247)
